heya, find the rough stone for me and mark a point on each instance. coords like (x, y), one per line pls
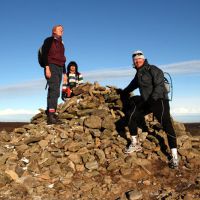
(93, 122)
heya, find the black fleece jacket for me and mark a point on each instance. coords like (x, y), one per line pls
(150, 81)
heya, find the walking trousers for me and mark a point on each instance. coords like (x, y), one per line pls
(160, 109)
(54, 83)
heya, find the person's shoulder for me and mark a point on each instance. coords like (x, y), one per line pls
(79, 74)
(48, 39)
(155, 68)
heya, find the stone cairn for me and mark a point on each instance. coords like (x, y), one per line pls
(83, 158)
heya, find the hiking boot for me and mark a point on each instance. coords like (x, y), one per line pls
(52, 118)
(173, 163)
(56, 116)
(133, 148)
(57, 119)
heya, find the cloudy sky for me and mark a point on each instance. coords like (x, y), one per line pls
(100, 36)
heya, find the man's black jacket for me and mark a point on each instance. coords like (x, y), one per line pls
(150, 81)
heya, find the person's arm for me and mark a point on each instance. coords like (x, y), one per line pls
(65, 78)
(80, 78)
(45, 50)
(47, 72)
(64, 75)
(132, 85)
(64, 69)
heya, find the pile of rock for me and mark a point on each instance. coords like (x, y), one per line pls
(83, 158)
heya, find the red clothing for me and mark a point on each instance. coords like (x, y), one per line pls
(56, 53)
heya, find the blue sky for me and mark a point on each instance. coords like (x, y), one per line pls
(100, 35)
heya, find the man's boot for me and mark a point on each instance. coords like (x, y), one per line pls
(51, 118)
(57, 119)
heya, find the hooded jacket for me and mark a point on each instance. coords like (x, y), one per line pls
(150, 81)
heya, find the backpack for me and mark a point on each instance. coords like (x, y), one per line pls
(168, 85)
(40, 57)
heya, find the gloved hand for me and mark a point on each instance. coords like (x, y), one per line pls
(66, 92)
(119, 91)
(64, 87)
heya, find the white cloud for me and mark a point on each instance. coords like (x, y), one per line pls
(185, 110)
(23, 88)
(16, 115)
(185, 106)
(109, 73)
(187, 67)
(33, 84)
(10, 111)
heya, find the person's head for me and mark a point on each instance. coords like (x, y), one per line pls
(138, 59)
(72, 67)
(57, 31)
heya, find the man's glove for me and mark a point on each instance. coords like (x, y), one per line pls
(119, 91)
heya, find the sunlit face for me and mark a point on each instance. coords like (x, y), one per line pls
(72, 69)
(138, 62)
(59, 31)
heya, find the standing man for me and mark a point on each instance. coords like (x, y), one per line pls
(150, 81)
(53, 53)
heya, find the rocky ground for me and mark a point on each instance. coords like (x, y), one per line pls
(192, 128)
(83, 158)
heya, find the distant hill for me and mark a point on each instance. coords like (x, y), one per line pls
(9, 126)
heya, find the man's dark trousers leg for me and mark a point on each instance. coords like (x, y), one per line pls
(161, 111)
(54, 86)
